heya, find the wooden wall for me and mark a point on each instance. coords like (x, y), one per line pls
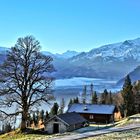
(102, 118)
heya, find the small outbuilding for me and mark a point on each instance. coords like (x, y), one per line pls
(65, 122)
(94, 112)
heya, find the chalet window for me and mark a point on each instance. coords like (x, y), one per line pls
(91, 117)
(56, 120)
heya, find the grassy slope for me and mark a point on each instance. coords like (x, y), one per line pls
(134, 119)
(16, 135)
(22, 137)
(125, 135)
(133, 134)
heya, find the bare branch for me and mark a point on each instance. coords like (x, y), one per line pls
(24, 77)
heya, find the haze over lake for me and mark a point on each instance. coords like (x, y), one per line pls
(72, 87)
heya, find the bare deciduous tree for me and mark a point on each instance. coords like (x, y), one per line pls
(25, 79)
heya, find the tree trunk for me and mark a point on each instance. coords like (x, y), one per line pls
(24, 113)
(24, 121)
(24, 118)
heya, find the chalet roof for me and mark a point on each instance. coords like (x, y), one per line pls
(72, 118)
(91, 108)
(69, 118)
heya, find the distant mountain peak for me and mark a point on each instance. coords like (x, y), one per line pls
(67, 54)
(70, 51)
(127, 49)
(127, 42)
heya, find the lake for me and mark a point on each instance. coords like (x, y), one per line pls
(72, 87)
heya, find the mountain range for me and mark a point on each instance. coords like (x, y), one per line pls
(65, 55)
(113, 61)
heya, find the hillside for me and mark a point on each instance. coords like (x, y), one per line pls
(102, 133)
(124, 135)
(127, 134)
(134, 75)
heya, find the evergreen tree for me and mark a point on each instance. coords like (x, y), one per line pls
(76, 100)
(70, 102)
(85, 90)
(106, 96)
(54, 109)
(62, 106)
(110, 99)
(84, 94)
(128, 97)
(37, 116)
(136, 91)
(34, 119)
(102, 98)
(42, 115)
(91, 89)
(46, 116)
(73, 101)
(94, 98)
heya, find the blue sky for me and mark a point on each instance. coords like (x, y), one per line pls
(62, 25)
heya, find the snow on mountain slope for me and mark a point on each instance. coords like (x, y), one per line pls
(123, 50)
(65, 55)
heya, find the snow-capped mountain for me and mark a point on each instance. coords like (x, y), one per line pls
(121, 51)
(109, 61)
(65, 55)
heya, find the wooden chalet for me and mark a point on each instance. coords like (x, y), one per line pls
(94, 112)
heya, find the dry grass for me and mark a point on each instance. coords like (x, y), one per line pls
(17, 135)
(134, 119)
(124, 135)
(133, 134)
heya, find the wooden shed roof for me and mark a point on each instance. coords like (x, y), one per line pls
(70, 118)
